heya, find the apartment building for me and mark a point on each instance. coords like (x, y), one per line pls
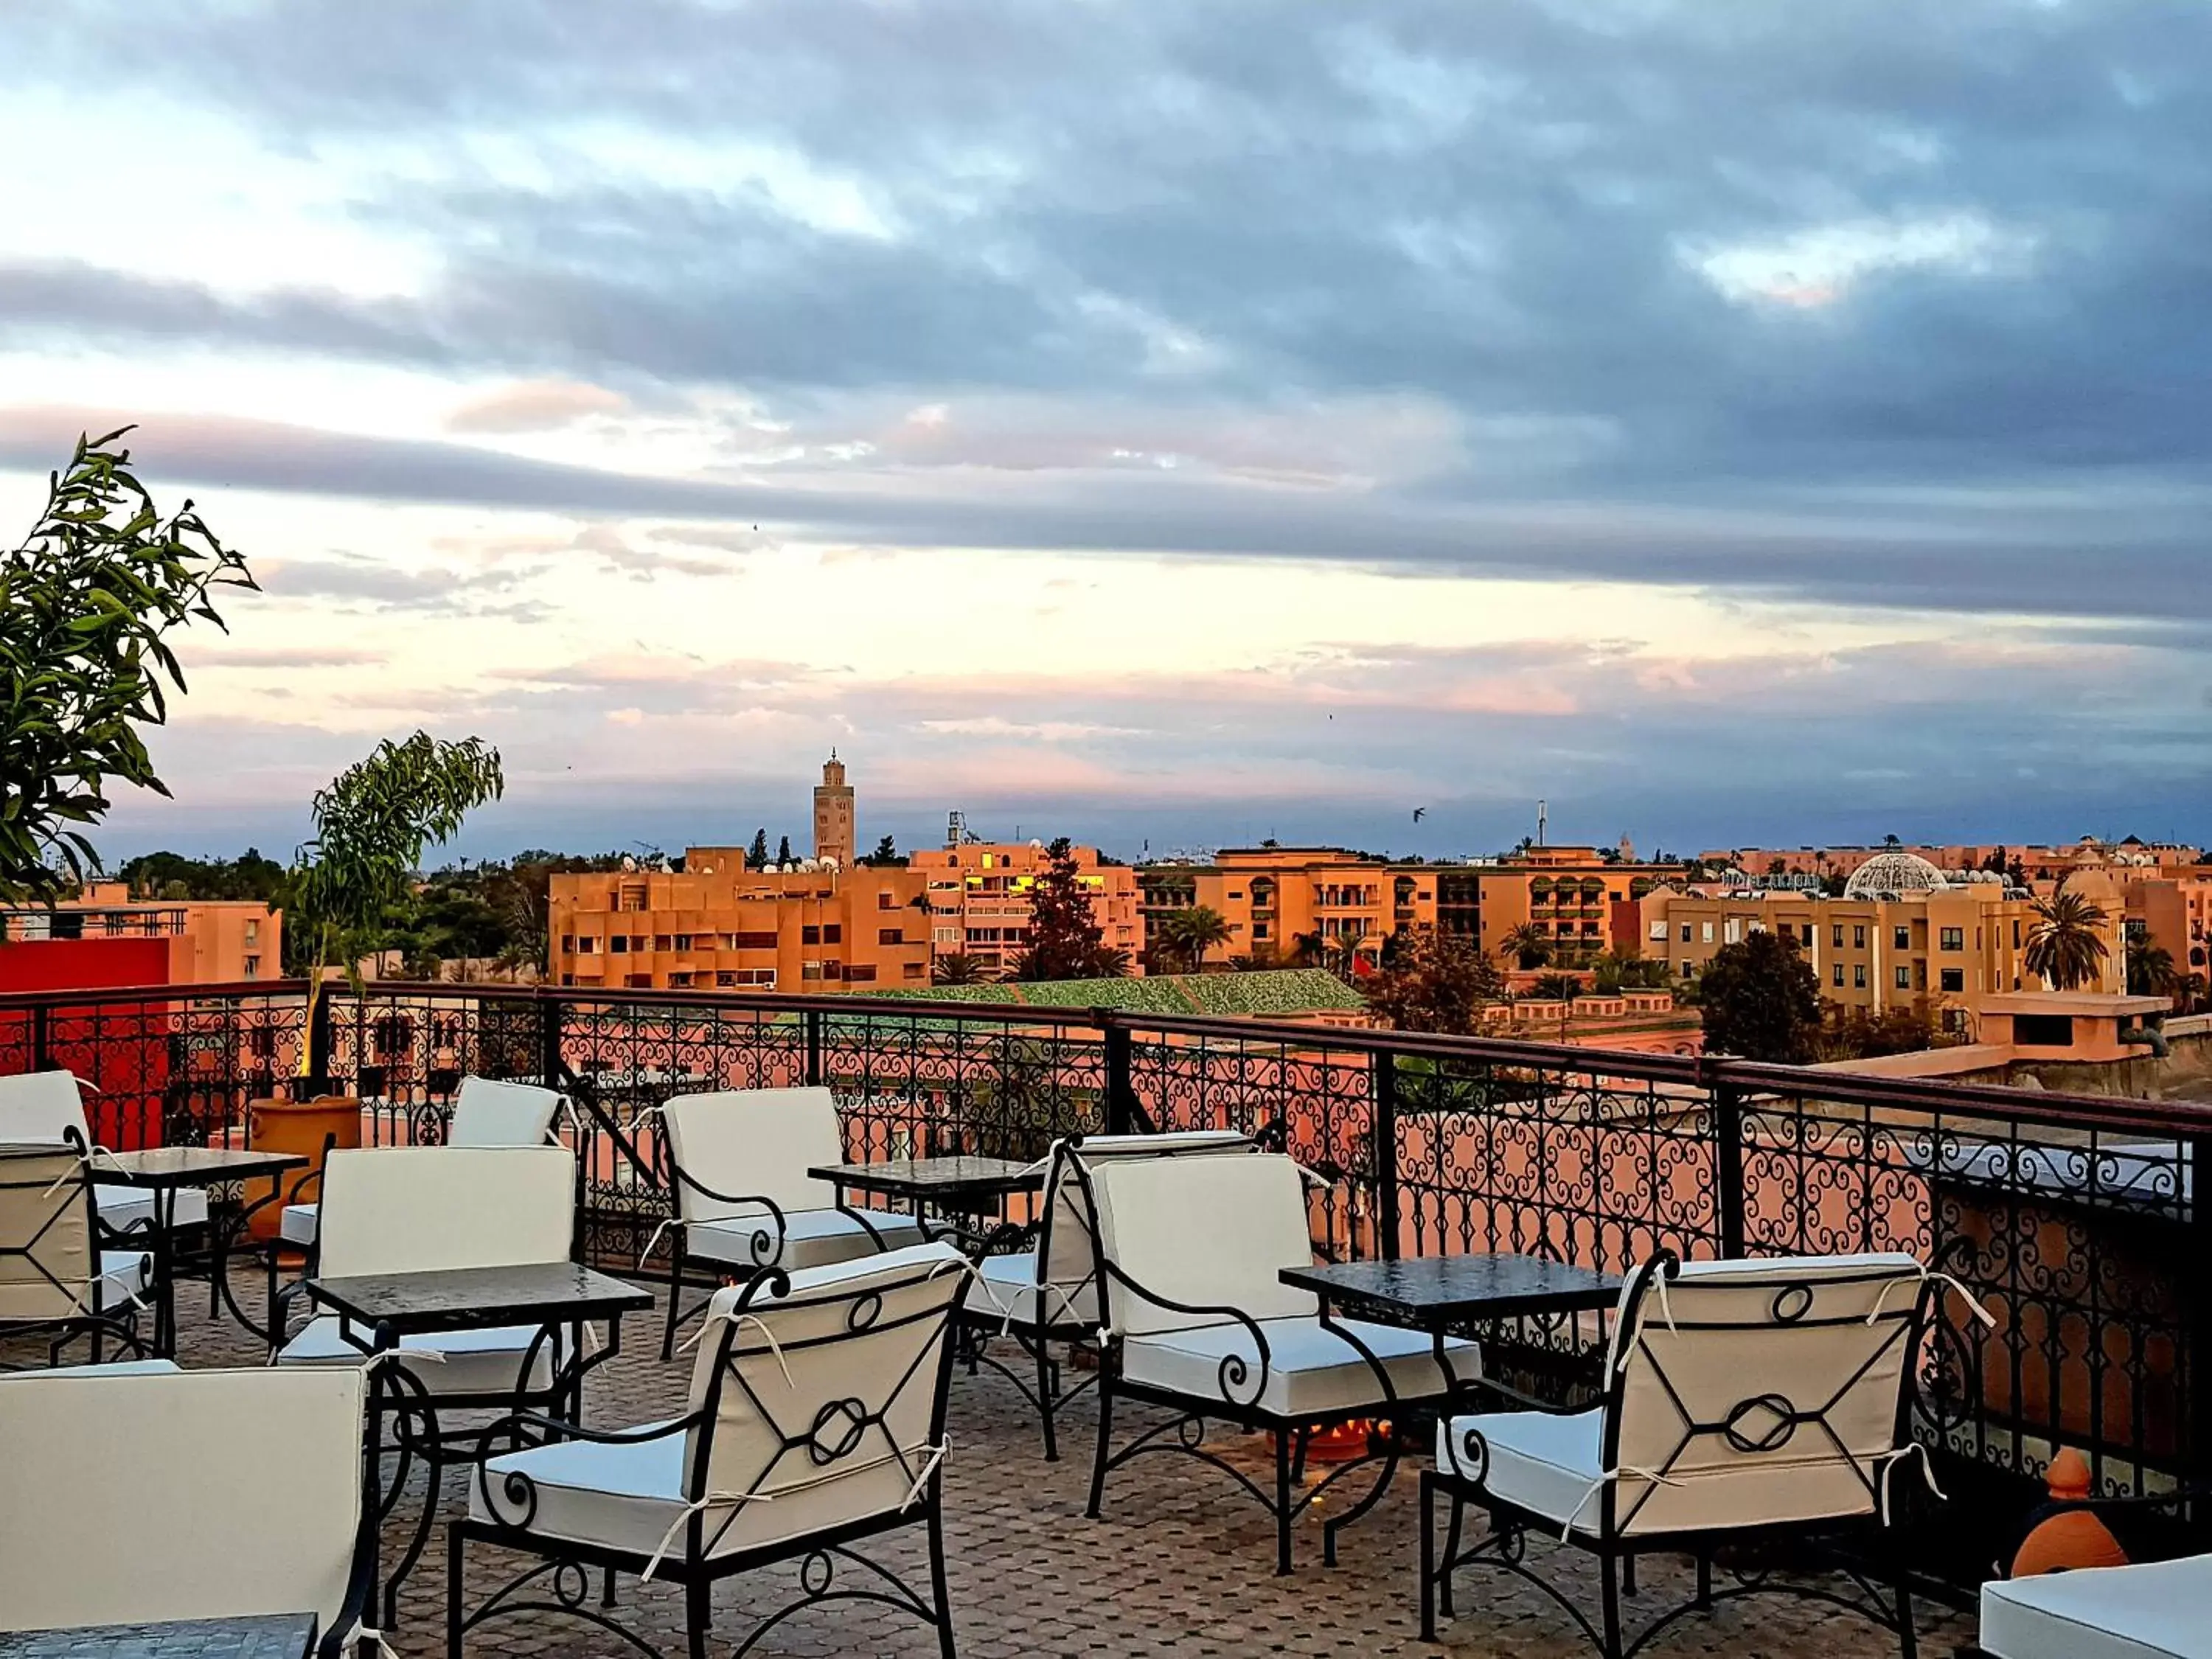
(1876, 948)
(979, 898)
(203, 941)
(2173, 909)
(2037, 862)
(1275, 899)
(718, 925)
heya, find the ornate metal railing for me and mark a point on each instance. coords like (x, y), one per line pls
(2070, 1219)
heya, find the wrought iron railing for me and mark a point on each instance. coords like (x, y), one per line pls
(2071, 1219)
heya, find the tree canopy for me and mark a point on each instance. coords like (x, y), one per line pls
(1438, 982)
(1761, 1001)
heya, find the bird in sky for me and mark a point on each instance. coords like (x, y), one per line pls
(1419, 812)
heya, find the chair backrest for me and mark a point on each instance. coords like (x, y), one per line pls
(416, 1209)
(1203, 1231)
(133, 1497)
(753, 1143)
(42, 1106)
(489, 1113)
(1067, 1245)
(1759, 1391)
(824, 1404)
(46, 1233)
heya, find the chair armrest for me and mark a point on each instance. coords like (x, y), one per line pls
(517, 1489)
(768, 1242)
(1234, 1370)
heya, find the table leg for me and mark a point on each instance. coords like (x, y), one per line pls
(165, 1288)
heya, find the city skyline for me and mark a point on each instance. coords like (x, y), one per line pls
(1151, 425)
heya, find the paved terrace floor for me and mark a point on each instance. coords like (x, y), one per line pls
(1180, 1565)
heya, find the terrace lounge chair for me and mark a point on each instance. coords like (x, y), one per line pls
(49, 1106)
(137, 1497)
(1744, 1399)
(738, 1160)
(1049, 1294)
(1198, 1320)
(816, 1420)
(55, 1281)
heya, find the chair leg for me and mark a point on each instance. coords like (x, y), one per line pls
(607, 1588)
(1628, 1575)
(453, 1548)
(1428, 1557)
(1451, 1553)
(1298, 1458)
(1105, 1432)
(1282, 1503)
(1609, 1582)
(938, 1593)
(1045, 1397)
(698, 1615)
(1704, 1580)
(675, 1292)
(1908, 1637)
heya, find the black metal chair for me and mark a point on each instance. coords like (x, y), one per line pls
(816, 1421)
(1745, 1402)
(56, 1281)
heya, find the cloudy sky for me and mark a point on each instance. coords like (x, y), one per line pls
(1168, 424)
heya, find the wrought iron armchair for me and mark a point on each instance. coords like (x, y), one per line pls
(816, 1421)
(415, 1209)
(1190, 1250)
(55, 1280)
(136, 1497)
(1745, 1401)
(1048, 1294)
(736, 1163)
(49, 1106)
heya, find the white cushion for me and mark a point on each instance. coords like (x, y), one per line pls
(471, 1361)
(1546, 1465)
(811, 1238)
(2155, 1610)
(1311, 1369)
(1204, 1232)
(296, 1226)
(124, 1276)
(216, 1494)
(488, 1113)
(417, 1209)
(753, 1143)
(41, 1106)
(1009, 1292)
(622, 1498)
(121, 1207)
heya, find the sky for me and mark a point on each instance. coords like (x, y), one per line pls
(1168, 425)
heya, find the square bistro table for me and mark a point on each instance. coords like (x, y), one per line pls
(1443, 1295)
(962, 1184)
(272, 1635)
(377, 1311)
(167, 1170)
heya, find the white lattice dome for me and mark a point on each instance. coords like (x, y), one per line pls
(1894, 873)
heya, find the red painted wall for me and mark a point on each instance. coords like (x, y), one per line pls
(121, 1048)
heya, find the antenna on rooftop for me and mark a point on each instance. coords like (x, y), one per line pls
(1540, 820)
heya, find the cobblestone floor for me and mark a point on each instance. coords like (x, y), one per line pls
(1181, 1564)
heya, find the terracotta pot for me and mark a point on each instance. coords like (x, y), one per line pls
(304, 1127)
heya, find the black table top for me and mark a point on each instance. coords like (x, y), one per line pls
(939, 1179)
(190, 1166)
(1439, 1288)
(477, 1298)
(276, 1636)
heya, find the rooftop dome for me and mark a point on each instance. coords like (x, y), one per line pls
(1894, 873)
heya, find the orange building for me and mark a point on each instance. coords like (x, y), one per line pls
(1289, 902)
(210, 941)
(2173, 909)
(2038, 863)
(716, 925)
(979, 899)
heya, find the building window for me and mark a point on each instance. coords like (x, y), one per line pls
(1953, 979)
(587, 946)
(679, 981)
(253, 967)
(637, 945)
(761, 939)
(833, 934)
(1707, 932)
(660, 941)
(1839, 971)
(1904, 979)
(2044, 1030)
(2016, 936)
(1685, 932)
(638, 981)
(1858, 938)
(1902, 938)
(891, 936)
(619, 944)
(860, 973)
(684, 941)
(253, 932)
(1689, 967)
(1836, 939)
(1858, 975)
(725, 979)
(885, 901)
(568, 944)
(1808, 935)
(810, 970)
(809, 935)
(913, 970)
(1734, 930)
(1659, 932)
(1952, 938)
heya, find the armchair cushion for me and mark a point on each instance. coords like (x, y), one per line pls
(122, 1207)
(1545, 1463)
(1312, 1371)
(1009, 1292)
(2155, 1610)
(486, 1362)
(618, 1497)
(811, 1238)
(296, 1226)
(123, 1275)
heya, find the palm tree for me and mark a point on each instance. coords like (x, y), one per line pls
(2151, 972)
(958, 969)
(1190, 933)
(2065, 946)
(1527, 944)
